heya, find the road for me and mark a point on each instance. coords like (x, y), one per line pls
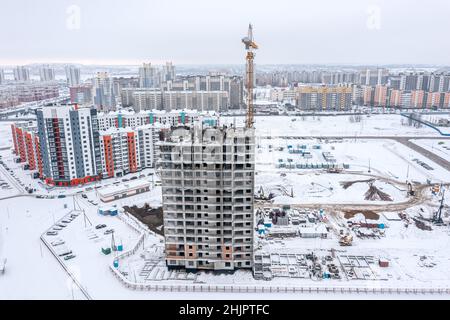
(428, 154)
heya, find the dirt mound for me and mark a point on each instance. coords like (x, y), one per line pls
(151, 217)
(348, 184)
(375, 194)
(368, 214)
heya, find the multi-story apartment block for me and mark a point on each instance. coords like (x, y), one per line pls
(168, 72)
(81, 94)
(127, 118)
(149, 76)
(324, 97)
(72, 76)
(70, 146)
(2, 76)
(103, 88)
(46, 73)
(212, 92)
(21, 73)
(74, 145)
(208, 183)
(128, 150)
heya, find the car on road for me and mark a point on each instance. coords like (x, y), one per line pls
(39, 197)
(133, 178)
(61, 196)
(52, 233)
(100, 226)
(84, 196)
(70, 256)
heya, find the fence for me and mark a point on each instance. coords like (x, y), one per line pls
(139, 227)
(271, 289)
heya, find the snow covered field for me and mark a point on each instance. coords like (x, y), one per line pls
(439, 147)
(331, 126)
(386, 159)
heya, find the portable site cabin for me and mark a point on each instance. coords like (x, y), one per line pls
(108, 211)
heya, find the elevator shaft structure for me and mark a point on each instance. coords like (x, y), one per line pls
(250, 46)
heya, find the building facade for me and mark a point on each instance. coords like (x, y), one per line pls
(70, 146)
(73, 76)
(321, 98)
(46, 73)
(128, 150)
(21, 73)
(208, 185)
(103, 92)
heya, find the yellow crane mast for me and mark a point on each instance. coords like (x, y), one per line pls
(250, 46)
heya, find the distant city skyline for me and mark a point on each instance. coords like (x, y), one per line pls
(348, 32)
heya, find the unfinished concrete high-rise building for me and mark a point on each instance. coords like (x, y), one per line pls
(208, 185)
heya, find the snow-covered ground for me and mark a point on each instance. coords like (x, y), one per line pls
(32, 272)
(386, 159)
(331, 126)
(439, 147)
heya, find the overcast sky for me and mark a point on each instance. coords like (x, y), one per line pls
(209, 31)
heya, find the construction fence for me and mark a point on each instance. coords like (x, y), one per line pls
(271, 289)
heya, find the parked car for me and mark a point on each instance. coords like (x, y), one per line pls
(100, 226)
(70, 256)
(61, 196)
(109, 231)
(57, 242)
(84, 196)
(52, 233)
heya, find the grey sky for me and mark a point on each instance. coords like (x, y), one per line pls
(209, 31)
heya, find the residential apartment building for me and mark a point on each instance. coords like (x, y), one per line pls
(128, 150)
(70, 146)
(103, 92)
(73, 76)
(46, 73)
(27, 146)
(324, 97)
(21, 73)
(208, 185)
(2, 76)
(81, 94)
(149, 76)
(129, 118)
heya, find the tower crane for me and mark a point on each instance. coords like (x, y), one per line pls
(250, 46)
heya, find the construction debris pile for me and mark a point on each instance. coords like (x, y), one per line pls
(284, 222)
(375, 194)
(318, 266)
(348, 184)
